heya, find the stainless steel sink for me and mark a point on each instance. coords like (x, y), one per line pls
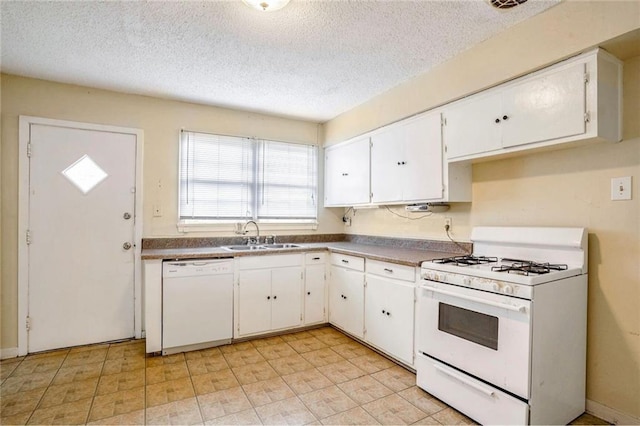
(281, 246)
(259, 247)
(244, 248)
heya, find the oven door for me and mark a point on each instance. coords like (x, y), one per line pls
(484, 334)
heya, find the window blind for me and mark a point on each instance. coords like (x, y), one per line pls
(233, 178)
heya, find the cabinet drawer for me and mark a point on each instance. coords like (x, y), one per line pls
(346, 261)
(483, 403)
(391, 270)
(312, 258)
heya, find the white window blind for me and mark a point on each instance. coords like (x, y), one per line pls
(232, 178)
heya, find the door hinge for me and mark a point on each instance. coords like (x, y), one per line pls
(365, 283)
(28, 237)
(370, 142)
(586, 77)
(28, 323)
(29, 149)
(443, 120)
(371, 195)
(446, 148)
(587, 117)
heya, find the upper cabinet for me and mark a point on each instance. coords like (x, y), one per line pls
(575, 101)
(346, 173)
(406, 161)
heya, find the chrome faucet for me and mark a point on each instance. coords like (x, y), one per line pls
(252, 240)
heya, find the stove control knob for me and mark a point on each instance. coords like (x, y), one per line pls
(507, 289)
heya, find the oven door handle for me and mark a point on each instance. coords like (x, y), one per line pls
(464, 380)
(521, 309)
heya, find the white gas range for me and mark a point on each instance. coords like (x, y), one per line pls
(501, 334)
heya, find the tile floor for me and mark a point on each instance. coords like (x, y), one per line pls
(313, 377)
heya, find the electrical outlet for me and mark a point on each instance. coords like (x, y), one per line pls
(621, 188)
(447, 223)
(157, 210)
(347, 221)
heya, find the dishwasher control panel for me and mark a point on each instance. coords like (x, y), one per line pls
(196, 268)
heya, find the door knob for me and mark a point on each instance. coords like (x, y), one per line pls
(126, 246)
(127, 215)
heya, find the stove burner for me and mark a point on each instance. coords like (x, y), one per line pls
(527, 267)
(466, 260)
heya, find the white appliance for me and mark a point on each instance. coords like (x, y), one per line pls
(197, 304)
(501, 334)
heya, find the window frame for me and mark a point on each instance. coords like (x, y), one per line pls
(186, 225)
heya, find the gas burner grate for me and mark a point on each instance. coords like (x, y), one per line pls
(466, 260)
(526, 267)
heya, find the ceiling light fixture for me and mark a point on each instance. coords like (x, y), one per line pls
(266, 5)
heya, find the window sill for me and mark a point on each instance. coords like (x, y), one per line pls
(230, 227)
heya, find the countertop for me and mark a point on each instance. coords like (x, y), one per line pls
(399, 255)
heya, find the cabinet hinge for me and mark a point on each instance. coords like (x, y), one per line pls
(371, 195)
(370, 142)
(28, 237)
(325, 276)
(302, 275)
(365, 283)
(443, 120)
(28, 323)
(586, 77)
(29, 149)
(300, 317)
(587, 117)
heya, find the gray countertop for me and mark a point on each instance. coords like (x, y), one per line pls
(399, 255)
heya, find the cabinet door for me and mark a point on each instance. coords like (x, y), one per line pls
(389, 316)
(254, 301)
(337, 302)
(354, 296)
(286, 297)
(551, 106)
(422, 159)
(334, 169)
(387, 170)
(470, 126)
(314, 294)
(356, 184)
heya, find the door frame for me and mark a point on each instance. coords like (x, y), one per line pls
(24, 137)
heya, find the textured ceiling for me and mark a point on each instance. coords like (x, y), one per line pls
(311, 60)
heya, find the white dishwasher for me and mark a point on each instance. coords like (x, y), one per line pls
(197, 304)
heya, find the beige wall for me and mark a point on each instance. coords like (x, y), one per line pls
(562, 188)
(161, 121)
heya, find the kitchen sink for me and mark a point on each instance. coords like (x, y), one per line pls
(244, 248)
(259, 247)
(280, 246)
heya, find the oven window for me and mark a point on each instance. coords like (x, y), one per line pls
(469, 325)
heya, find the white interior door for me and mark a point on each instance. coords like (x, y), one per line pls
(81, 227)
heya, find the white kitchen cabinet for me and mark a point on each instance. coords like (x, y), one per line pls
(268, 293)
(389, 309)
(152, 296)
(406, 161)
(315, 288)
(346, 294)
(575, 101)
(347, 173)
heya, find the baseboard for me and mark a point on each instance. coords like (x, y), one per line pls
(611, 415)
(8, 353)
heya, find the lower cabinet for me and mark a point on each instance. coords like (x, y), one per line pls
(315, 293)
(389, 310)
(346, 294)
(268, 294)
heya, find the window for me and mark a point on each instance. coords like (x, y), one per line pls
(226, 178)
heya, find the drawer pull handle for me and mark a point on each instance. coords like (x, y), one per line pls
(345, 261)
(275, 297)
(315, 258)
(268, 297)
(388, 313)
(383, 312)
(308, 293)
(464, 380)
(389, 270)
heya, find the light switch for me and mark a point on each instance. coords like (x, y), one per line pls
(621, 188)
